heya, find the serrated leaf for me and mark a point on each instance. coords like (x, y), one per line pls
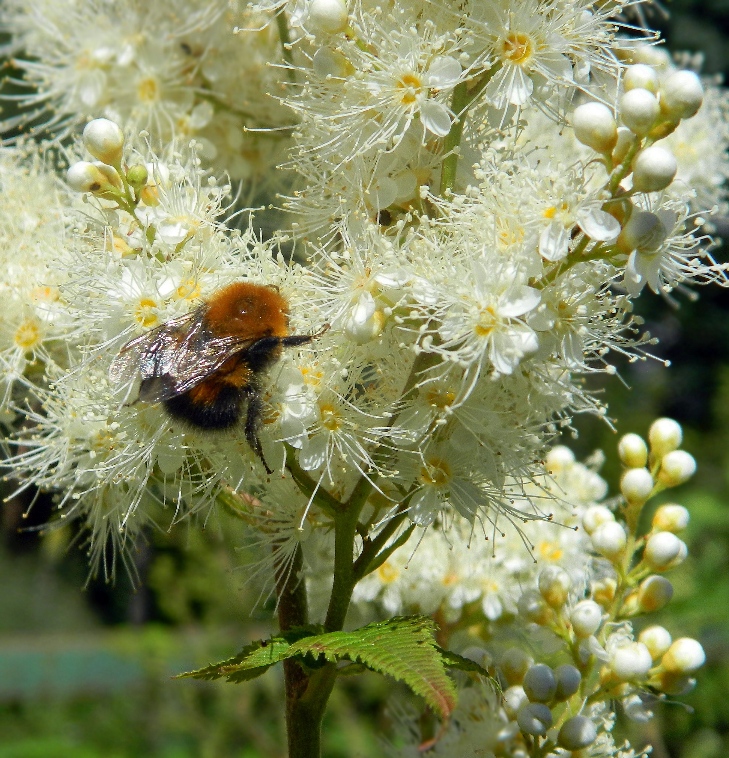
(402, 648)
(253, 660)
(455, 661)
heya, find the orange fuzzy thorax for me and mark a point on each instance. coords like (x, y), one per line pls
(249, 310)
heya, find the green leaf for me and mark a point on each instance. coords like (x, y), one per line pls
(253, 660)
(455, 661)
(402, 648)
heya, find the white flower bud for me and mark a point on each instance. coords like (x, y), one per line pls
(104, 140)
(683, 657)
(639, 110)
(654, 169)
(644, 231)
(636, 485)
(609, 540)
(641, 76)
(665, 435)
(576, 733)
(92, 177)
(554, 585)
(664, 551)
(595, 126)
(596, 515)
(586, 618)
(654, 593)
(531, 606)
(631, 661)
(514, 698)
(657, 639)
(558, 459)
(568, 681)
(681, 95)
(329, 16)
(514, 664)
(633, 451)
(671, 517)
(677, 467)
(626, 138)
(535, 719)
(539, 683)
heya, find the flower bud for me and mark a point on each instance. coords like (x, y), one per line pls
(137, 176)
(683, 657)
(609, 540)
(636, 485)
(595, 126)
(631, 661)
(671, 518)
(558, 459)
(633, 451)
(576, 733)
(603, 590)
(329, 16)
(681, 95)
(568, 681)
(97, 178)
(654, 169)
(640, 76)
(596, 515)
(534, 719)
(514, 698)
(586, 618)
(677, 467)
(665, 435)
(626, 139)
(514, 664)
(654, 593)
(639, 110)
(664, 551)
(554, 585)
(657, 639)
(644, 231)
(531, 606)
(104, 140)
(539, 683)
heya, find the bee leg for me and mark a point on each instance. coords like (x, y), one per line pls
(253, 417)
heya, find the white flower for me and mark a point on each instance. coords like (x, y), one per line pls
(483, 324)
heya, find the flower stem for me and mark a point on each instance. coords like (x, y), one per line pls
(464, 95)
(302, 726)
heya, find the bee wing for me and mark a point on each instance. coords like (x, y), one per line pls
(189, 366)
(149, 352)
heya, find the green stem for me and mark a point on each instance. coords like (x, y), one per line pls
(303, 727)
(283, 33)
(464, 95)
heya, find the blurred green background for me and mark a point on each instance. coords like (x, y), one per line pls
(86, 672)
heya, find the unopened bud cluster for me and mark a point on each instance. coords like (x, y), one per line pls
(107, 177)
(648, 110)
(601, 658)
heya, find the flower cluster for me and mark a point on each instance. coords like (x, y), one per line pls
(473, 196)
(577, 619)
(176, 69)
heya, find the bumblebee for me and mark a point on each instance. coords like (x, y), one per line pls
(206, 365)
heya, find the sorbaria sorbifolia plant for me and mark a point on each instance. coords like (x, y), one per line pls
(468, 197)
